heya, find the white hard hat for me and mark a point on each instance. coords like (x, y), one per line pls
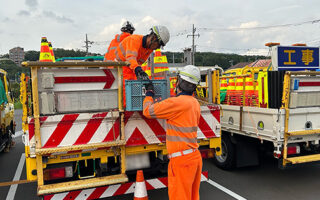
(191, 74)
(162, 33)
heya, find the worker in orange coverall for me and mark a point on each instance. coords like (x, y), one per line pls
(182, 114)
(127, 29)
(136, 50)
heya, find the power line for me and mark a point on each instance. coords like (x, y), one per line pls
(261, 27)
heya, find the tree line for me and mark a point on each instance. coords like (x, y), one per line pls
(210, 59)
(201, 59)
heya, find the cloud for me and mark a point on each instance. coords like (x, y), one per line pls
(110, 30)
(23, 13)
(7, 19)
(60, 19)
(32, 4)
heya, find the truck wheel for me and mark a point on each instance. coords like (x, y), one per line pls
(227, 159)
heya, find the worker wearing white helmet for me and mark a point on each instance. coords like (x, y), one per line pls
(136, 49)
(127, 29)
(182, 114)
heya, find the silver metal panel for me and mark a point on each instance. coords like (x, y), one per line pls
(47, 103)
(77, 90)
(304, 99)
(86, 101)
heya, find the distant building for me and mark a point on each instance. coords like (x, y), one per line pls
(16, 55)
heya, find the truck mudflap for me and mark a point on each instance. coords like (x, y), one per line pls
(113, 190)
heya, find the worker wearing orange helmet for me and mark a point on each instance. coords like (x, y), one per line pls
(127, 29)
(182, 114)
(136, 49)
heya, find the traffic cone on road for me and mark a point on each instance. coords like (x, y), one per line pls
(140, 191)
(51, 52)
(45, 55)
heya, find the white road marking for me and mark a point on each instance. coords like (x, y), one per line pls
(17, 134)
(13, 188)
(229, 192)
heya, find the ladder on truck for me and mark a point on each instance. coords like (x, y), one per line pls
(287, 133)
(40, 152)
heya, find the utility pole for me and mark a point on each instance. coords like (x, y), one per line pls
(173, 57)
(87, 42)
(193, 46)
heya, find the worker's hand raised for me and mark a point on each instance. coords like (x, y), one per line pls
(140, 74)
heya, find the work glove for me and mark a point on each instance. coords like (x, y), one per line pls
(149, 89)
(140, 74)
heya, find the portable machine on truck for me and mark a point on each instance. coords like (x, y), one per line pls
(273, 107)
(6, 113)
(80, 140)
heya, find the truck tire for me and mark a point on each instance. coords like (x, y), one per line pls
(227, 159)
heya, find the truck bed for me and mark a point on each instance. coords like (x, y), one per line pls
(273, 120)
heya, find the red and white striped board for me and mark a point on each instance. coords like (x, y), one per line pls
(75, 129)
(89, 128)
(153, 131)
(113, 190)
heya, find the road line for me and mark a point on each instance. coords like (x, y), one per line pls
(220, 187)
(17, 134)
(13, 188)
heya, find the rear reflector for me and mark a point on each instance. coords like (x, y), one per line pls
(58, 173)
(207, 153)
(293, 150)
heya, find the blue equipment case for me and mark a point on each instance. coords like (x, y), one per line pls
(136, 92)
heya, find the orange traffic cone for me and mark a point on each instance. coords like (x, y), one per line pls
(51, 52)
(45, 55)
(140, 191)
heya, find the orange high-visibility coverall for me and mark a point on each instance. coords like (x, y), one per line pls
(110, 55)
(182, 114)
(132, 49)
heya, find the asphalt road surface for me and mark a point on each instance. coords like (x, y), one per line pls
(264, 182)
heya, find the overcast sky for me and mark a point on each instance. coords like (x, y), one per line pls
(65, 23)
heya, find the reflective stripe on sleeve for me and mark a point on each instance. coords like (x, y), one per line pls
(117, 56)
(151, 111)
(122, 50)
(149, 103)
(132, 52)
(181, 139)
(118, 38)
(183, 129)
(111, 48)
(131, 58)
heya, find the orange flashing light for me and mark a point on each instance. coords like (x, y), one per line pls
(270, 44)
(299, 45)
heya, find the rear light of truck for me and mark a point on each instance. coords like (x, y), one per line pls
(207, 153)
(58, 173)
(293, 150)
